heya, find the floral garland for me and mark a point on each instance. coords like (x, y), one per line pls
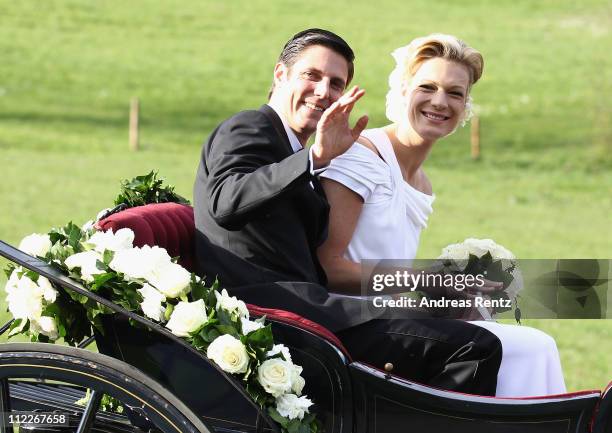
(485, 257)
(148, 281)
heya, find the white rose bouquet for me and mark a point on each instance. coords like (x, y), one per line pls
(489, 259)
(147, 281)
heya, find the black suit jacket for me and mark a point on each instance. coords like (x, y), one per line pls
(260, 215)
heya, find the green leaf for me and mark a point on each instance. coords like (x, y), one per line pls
(284, 422)
(168, 312)
(74, 235)
(304, 427)
(108, 257)
(209, 333)
(101, 279)
(147, 189)
(261, 341)
(215, 285)
(228, 329)
(8, 270)
(473, 266)
(198, 290)
(225, 318)
(294, 426)
(15, 325)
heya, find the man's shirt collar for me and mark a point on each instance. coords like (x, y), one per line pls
(295, 143)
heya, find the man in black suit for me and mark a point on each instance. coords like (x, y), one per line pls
(261, 213)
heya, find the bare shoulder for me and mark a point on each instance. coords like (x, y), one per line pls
(424, 183)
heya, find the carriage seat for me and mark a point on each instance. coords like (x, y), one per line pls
(171, 226)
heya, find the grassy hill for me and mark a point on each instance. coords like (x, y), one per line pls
(543, 187)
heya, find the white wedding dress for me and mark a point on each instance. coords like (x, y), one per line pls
(392, 217)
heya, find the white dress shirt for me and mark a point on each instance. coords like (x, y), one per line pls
(295, 143)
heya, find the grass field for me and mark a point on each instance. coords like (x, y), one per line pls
(543, 187)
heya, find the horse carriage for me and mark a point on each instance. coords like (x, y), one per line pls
(165, 385)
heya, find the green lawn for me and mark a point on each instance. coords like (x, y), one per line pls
(543, 187)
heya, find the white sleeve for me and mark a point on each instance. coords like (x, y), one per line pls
(360, 170)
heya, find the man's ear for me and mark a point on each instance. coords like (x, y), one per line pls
(281, 72)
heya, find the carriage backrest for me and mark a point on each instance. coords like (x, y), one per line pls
(167, 225)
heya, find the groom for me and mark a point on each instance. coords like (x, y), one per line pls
(261, 213)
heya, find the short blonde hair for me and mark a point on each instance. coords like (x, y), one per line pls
(410, 58)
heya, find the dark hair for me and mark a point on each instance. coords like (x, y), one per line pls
(307, 38)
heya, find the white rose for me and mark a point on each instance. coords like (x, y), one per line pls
(171, 279)
(455, 252)
(231, 303)
(122, 240)
(275, 375)
(291, 406)
(297, 381)
(87, 262)
(479, 247)
(139, 263)
(48, 292)
(152, 302)
(229, 353)
(35, 244)
(187, 317)
(25, 301)
(46, 326)
(279, 348)
(249, 326)
(502, 253)
(13, 281)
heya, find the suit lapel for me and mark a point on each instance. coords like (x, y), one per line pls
(278, 125)
(312, 202)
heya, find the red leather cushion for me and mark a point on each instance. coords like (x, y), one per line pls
(300, 322)
(168, 225)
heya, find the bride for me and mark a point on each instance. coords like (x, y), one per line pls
(381, 199)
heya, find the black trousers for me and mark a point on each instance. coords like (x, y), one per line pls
(444, 353)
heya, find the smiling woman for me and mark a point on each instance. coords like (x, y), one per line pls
(380, 201)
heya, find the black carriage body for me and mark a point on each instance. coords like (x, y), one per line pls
(350, 397)
(209, 394)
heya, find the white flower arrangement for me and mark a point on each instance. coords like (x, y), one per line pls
(122, 240)
(87, 262)
(27, 297)
(485, 256)
(292, 406)
(152, 302)
(147, 281)
(249, 326)
(36, 245)
(476, 247)
(276, 376)
(187, 317)
(231, 304)
(229, 354)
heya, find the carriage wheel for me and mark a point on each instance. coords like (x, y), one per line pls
(101, 374)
